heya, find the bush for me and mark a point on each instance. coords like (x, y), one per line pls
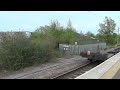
(15, 51)
(18, 51)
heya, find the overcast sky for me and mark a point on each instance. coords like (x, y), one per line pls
(30, 20)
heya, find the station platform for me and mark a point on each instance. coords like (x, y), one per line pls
(117, 75)
(109, 69)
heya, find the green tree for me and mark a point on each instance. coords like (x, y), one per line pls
(107, 29)
(90, 34)
(99, 37)
(114, 38)
(53, 31)
(69, 33)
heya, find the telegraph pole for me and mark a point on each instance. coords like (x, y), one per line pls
(118, 37)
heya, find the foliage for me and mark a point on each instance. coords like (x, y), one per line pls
(19, 51)
(107, 29)
(15, 51)
(90, 34)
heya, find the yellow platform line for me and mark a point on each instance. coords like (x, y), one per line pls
(112, 71)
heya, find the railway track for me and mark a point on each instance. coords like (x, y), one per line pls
(49, 71)
(77, 71)
(52, 72)
(80, 70)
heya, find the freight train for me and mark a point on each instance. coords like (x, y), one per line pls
(94, 56)
(94, 52)
(100, 55)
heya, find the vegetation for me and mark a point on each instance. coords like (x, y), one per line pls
(90, 34)
(19, 51)
(106, 31)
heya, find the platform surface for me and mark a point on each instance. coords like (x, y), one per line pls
(109, 69)
(117, 75)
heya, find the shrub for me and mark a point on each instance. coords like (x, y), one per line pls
(18, 51)
(15, 51)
